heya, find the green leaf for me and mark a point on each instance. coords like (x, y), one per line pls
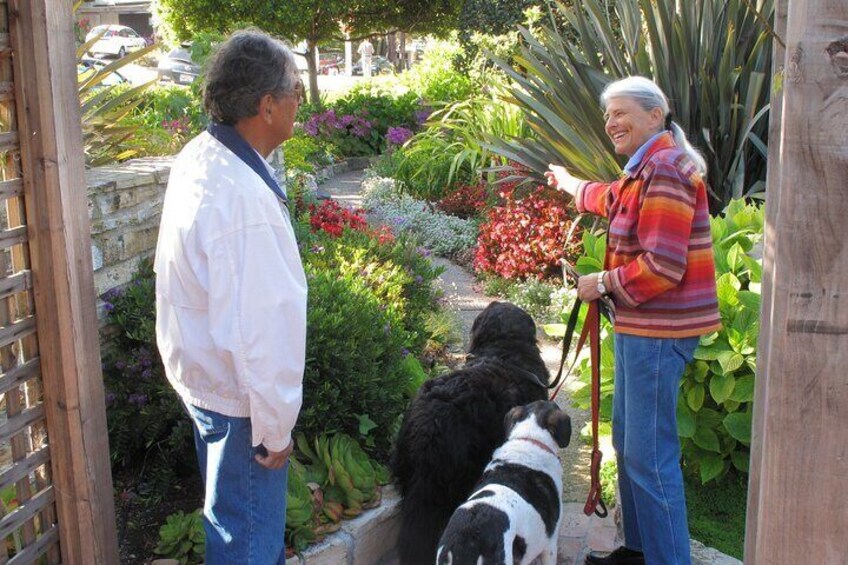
(730, 361)
(741, 460)
(750, 300)
(366, 424)
(706, 438)
(685, 421)
(744, 389)
(721, 387)
(711, 467)
(695, 397)
(738, 425)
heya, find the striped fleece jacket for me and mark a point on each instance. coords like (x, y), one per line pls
(659, 248)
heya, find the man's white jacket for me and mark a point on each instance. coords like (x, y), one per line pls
(230, 293)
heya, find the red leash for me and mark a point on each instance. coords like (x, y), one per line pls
(594, 502)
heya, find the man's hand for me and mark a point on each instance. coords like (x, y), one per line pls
(587, 288)
(275, 459)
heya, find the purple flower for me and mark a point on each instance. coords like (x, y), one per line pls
(347, 120)
(422, 115)
(108, 306)
(120, 364)
(419, 279)
(137, 399)
(398, 136)
(110, 398)
(146, 374)
(404, 352)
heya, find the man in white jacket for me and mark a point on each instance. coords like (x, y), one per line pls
(231, 298)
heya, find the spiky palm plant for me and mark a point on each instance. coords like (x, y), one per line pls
(103, 109)
(711, 57)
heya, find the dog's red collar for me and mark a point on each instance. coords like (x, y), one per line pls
(538, 443)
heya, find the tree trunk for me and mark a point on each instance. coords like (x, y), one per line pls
(312, 65)
(402, 63)
(799, 466)
(392, 45)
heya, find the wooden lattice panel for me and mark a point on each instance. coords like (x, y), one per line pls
(28, 528)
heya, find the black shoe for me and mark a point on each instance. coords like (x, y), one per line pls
(621, 556)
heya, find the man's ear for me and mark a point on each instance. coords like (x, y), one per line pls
(265, 106)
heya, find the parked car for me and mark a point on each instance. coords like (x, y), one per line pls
(330, 63)
(88, 66)
(379, 65)
(177, 66)
(114, 40)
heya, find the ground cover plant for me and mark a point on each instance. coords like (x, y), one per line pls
(443, 234)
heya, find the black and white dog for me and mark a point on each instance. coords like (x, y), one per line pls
(513, 516)
(455, 423)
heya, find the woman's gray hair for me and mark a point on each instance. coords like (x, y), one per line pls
(243, 69)
(648, 95)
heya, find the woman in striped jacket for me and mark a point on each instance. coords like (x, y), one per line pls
(659, 271)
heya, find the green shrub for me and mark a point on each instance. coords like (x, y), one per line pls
(368, 309)
(148, 428)
(305, 153)
(716, 400)
(426, 168)
(434, 78)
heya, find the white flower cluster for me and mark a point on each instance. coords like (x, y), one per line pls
(444, 234)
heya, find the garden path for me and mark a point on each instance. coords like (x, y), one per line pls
(578, 533)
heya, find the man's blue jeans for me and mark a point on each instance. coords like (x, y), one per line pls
(244, 512)
(644, 434)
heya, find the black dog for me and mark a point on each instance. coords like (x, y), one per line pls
(456, 422)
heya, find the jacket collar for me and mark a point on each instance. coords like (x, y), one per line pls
(664, 141)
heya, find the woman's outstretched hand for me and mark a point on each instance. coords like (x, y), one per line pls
(559, 178)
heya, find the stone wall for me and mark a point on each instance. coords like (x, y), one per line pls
(124, 206)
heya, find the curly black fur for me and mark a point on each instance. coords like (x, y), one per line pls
(455, 423)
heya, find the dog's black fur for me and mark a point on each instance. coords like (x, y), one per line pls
(454, 425)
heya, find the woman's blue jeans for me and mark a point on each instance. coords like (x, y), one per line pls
(644, 434)
(244, 511)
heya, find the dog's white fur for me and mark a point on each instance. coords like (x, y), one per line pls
(524, 519)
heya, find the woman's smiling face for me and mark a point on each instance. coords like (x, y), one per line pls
(629, 125)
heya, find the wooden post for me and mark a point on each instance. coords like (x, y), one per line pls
(772, 208)
(799, 466)
(63, 281)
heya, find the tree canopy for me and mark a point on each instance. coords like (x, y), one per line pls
(314, 21)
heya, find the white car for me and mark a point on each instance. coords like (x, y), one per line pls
(114, 40)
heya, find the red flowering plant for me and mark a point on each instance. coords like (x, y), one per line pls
(468, 201)
(524, 237)
(333, 219)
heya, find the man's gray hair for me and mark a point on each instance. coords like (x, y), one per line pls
(648, 95)
(243, 69)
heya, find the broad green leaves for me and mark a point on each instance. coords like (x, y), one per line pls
(718, 388)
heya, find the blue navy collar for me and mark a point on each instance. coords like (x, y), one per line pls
(635, 159)
(232, 140)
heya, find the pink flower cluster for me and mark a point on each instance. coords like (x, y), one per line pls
(328, 124)
(177, 127)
